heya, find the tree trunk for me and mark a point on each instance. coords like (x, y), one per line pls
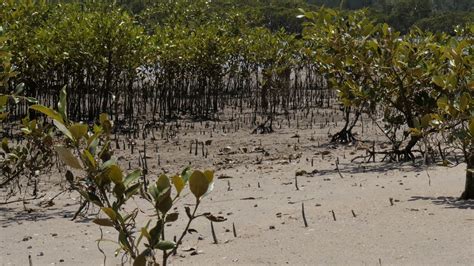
(469, 188)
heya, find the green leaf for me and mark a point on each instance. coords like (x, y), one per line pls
(19, 88)
(185, 174)
(155, 233)
(442, 103)
(209, 175)
(144, 233)
(164, 201)
(439, 81)
(132, 190)
(48, 112)
(111, 213)
(132, 177)
(59, 125)
(198, 183)
(67, 157)
(78, 130)
(31, 100)
(89, 159)
(178, 183)
(3, 100)
(103, 222)
(62, 104)
(165, 245)
(91, 197)
(115, 174)
(162, 183)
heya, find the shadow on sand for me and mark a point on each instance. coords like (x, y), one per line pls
(14, 215)
(448, 202)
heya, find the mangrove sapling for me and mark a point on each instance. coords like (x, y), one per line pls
(23, 162)
(95, 174)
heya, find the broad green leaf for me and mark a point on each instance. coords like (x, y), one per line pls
(438, 80)
(59, 125)
(48, 112)
(89, 159)
(132, 190)
(185, 174)
(162, 183)
(78, 130)
(132, 177)
(19, 88)
(111, 213)
(115, 174)
(209, 175)
(178, 183)
(198, 183)
(165, 245)
(442, 103)
(67, 157)
(103, 222)
(91, 197)
(155, 233)
(3, 100)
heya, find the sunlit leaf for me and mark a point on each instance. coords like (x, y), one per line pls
(178, 183)
(48, 112)
(198, 183)
(78, 130)
(110, 212)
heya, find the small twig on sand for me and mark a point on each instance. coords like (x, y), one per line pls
(304, 216)
(233, 230)
(353, 213)
(214, 234)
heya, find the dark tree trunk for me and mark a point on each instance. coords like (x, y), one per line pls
(469, 188)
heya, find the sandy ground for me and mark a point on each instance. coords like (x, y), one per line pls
(425, 225)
